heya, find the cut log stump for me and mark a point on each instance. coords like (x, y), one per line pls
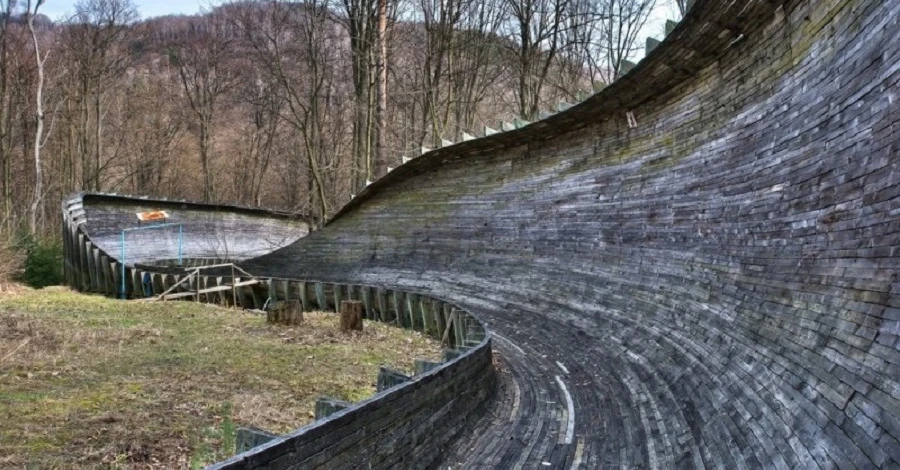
(351, 315)
(287, 312)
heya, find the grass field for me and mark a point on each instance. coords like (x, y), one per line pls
(91, 382)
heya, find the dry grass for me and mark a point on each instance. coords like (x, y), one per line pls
(87, 381)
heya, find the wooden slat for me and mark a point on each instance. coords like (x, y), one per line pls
(179, 295)
(210, 290)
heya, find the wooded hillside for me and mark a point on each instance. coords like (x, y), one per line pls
(288, 105)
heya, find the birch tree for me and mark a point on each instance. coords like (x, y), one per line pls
(37, 199)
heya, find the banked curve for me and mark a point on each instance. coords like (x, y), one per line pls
(395, 427)
(708, 31)
(714, 287)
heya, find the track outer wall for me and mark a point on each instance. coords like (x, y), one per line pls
(720, 282)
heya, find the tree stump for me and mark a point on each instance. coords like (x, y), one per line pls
(288, 312)
(351, 315)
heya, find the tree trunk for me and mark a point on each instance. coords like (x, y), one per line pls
(39, 128)
(208, 190)
(98, 131)
(381, 105)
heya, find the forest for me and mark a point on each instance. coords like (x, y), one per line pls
(284, 105)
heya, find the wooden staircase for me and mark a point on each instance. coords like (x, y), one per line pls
(192, 281)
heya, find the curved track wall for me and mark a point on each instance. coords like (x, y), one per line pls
(411, 425)
(716, 286)
(92, 238)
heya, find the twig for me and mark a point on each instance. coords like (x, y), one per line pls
(20, 346)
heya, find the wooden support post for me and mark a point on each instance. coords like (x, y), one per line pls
(320, 296)
(204, 283)
(424, 365)
(85, 265)
(233, 288)
(92, 271)
(273, 296)
(254, 296)
(388, 378)
(116, 270)
(455, 322)
(366, 294)
(167, 281)
(383, 314)
(98, 271)
(338, 296)
(137, 283)
(461, 328)
(79, 260)
(436, 308)
(247, 438)
(304, 299)
(411, 304)
(221, 296)
(213, 297)
(450, 354)
(351, 315)
(156, 281)
(327, 406)
(400, 317)
(424, 308)
(137, 288)
(105, 274)
(286, 288)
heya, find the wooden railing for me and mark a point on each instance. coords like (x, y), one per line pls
(192, 281)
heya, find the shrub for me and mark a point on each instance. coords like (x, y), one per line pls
(43, 262)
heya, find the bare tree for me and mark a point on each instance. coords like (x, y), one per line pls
(39, 117)
(537, 32)
(624, 21)
(96, 43)
(478, 65)
(359, 19)
(201, 60)
(153, 124)
(381, 71)
(6, 10)
(440, 19)
(295, 45)
(265, 104)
